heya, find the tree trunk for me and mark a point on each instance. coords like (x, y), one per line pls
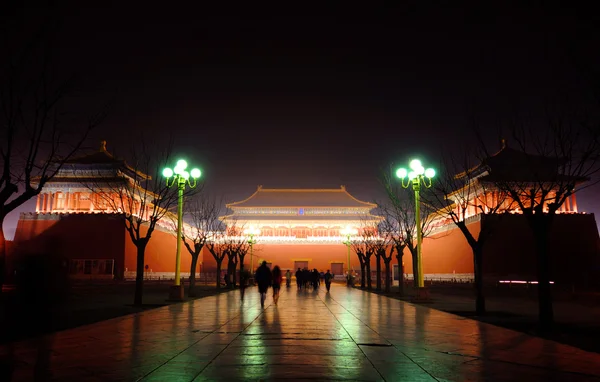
(545, 308)
(139, 272)
(378, 272)
(368, 273)
(191, 290)
(400, 275)
(478, 262)
(219, 262)
(415, 265)
(231, 270)
(362, 272)
(3, 254)
(388, 286)
(241, 263)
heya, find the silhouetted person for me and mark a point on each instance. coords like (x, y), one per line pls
(288, 278)
(263, 279)
(299, 278)
(277, 279)
(244, 279)
(328, 277)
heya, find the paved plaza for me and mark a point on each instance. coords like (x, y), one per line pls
(346, 334)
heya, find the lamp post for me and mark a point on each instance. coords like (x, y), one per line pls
(348, 232)
(180, 177)
(252, 231)
(417, 176)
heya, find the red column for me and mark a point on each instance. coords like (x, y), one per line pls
(574, 203)
(37, 203)
(45, 202)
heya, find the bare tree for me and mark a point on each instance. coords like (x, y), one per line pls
(203, 218)
(391, 230)
(360, 248)
(399, 211)
(237, 248)
(554, 165)
(363, 246)
(218, 248)
(143, 200)
(460, 197)
(39, 129)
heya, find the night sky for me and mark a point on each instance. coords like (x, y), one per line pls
(319, 97)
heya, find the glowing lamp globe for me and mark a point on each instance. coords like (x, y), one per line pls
(185, 175)
(415, 164)
(412, 175)
(401, 173)
(167, 173)
(430, 173)
(182, 164)
(195, 173)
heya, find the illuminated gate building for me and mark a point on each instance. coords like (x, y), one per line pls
(300, 228)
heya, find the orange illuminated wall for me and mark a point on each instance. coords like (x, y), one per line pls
(509, 252)
(319, 256)
(159, 254)
(73, 236)
(445, 253)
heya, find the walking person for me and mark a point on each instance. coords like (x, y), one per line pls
(244, 279)
(277, 279)
(299, 278)
(328, 277)
(288, 278)
(263, 279)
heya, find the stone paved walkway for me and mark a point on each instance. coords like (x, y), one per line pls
(344, 335)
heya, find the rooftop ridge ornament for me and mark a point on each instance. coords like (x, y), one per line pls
(103, 145)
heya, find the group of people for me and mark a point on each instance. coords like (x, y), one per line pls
(304, 278)
(265, 278)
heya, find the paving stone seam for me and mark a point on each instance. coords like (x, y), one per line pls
(492, 359)
(348, 333)
(207, 334)
(236, 337)
(391, 344)
(501, 361)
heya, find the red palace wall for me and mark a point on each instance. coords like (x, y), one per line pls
(159, 255)
(510, 252)
(319, 256)
(72, 236)
(573, 249)
(445, 253)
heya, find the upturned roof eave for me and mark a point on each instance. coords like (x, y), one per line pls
(341, 190)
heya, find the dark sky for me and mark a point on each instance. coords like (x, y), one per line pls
(318, 97)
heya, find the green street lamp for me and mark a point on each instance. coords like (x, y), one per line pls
(348, 232)
(180, 177)
(416, 176)
(252, 231)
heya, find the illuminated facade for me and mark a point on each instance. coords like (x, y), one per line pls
(509, 252)
(300, 228)
(79, 217)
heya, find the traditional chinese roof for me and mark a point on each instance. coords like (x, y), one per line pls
(301, 198)
(511, 165)
(100, 158)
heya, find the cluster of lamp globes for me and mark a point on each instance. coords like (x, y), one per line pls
(417, 170)
(180, 170)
